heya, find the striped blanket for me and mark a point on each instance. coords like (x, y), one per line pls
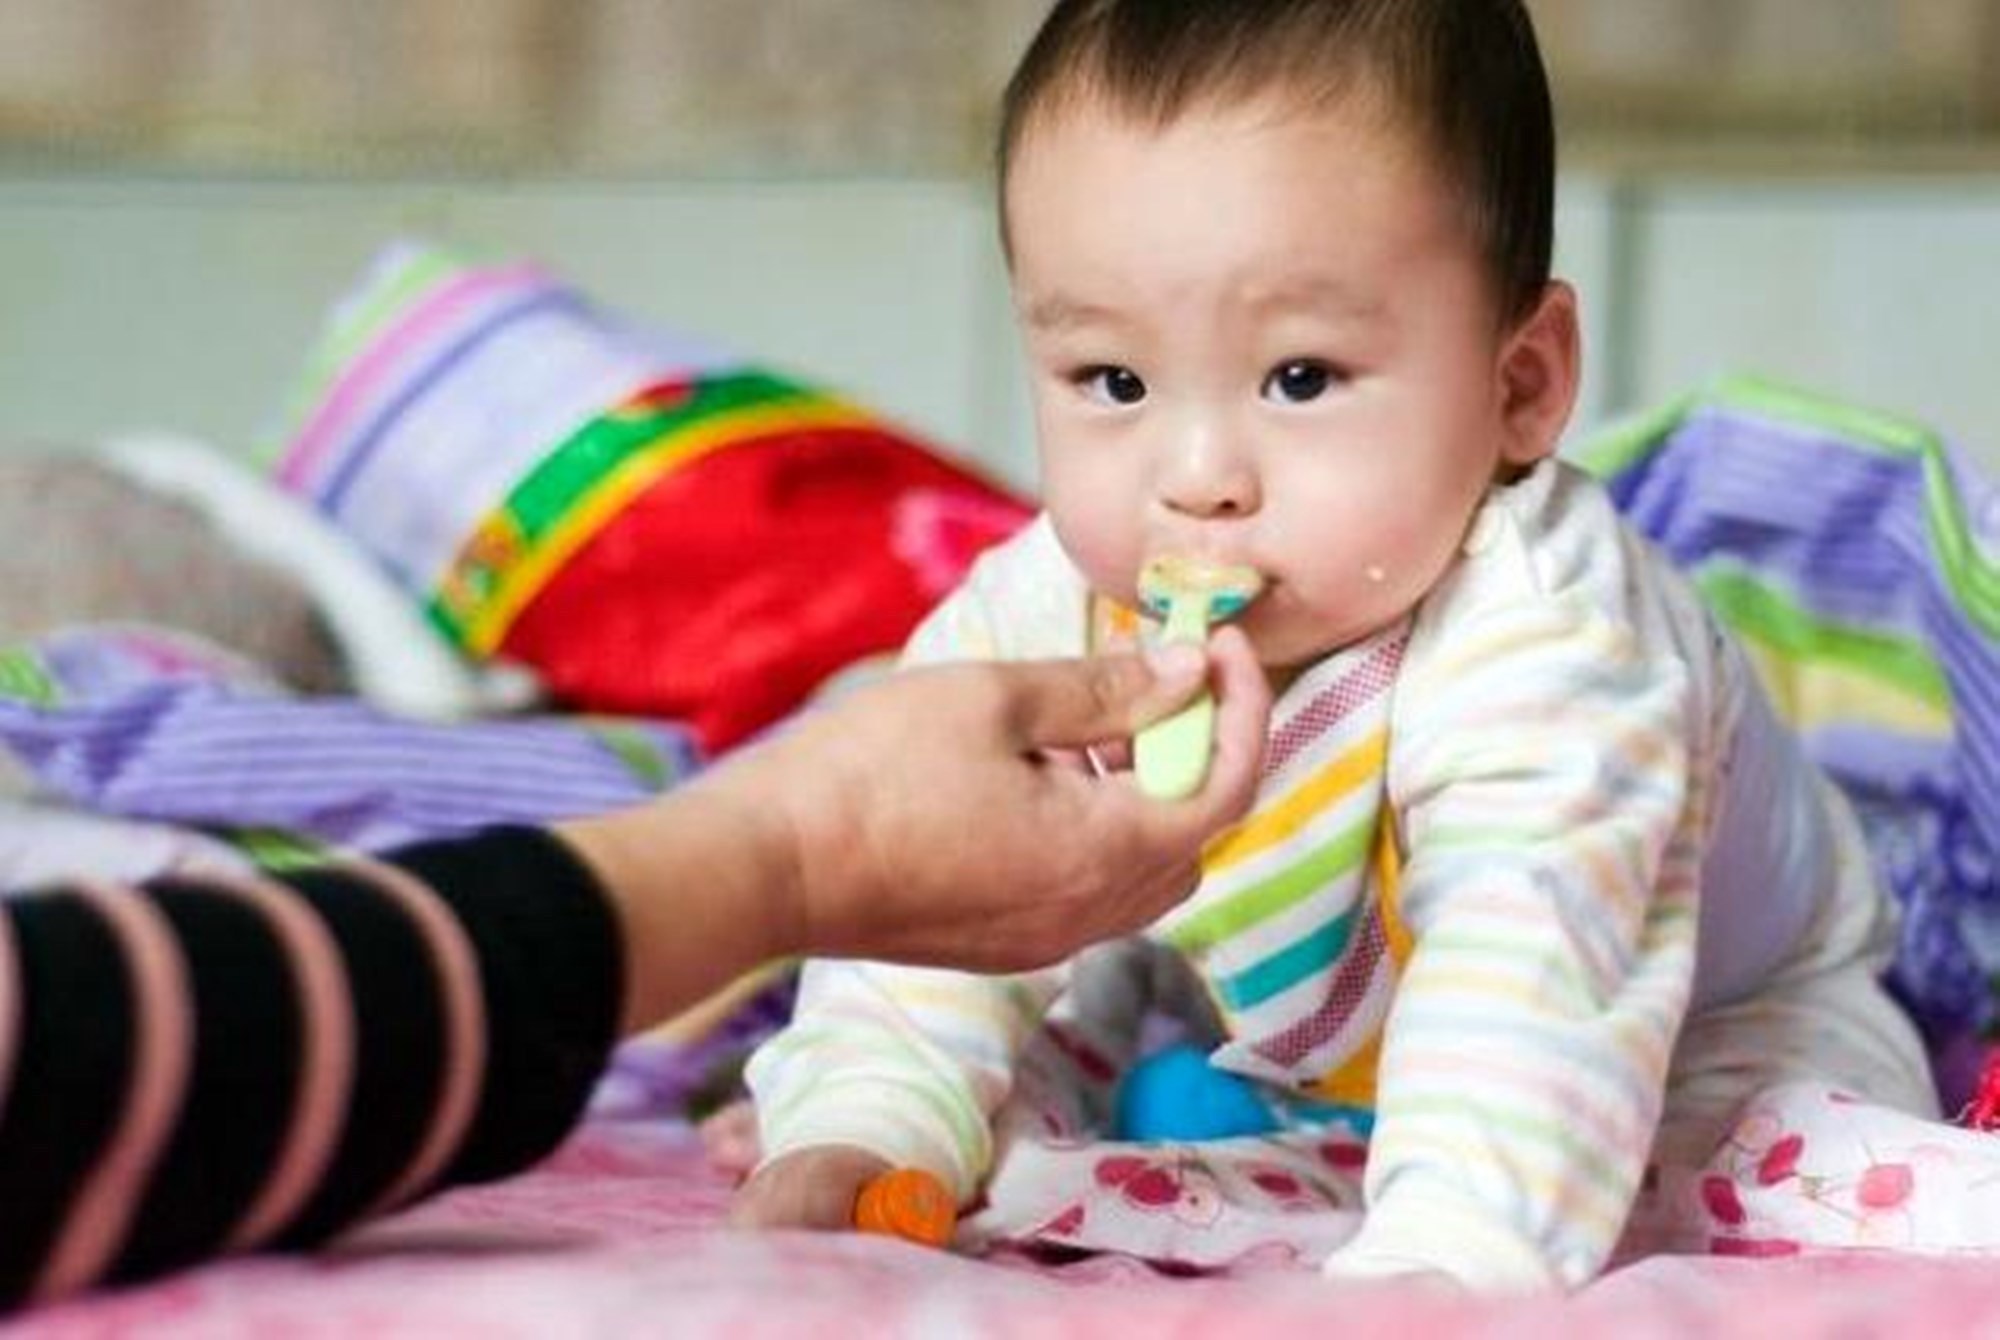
(149, 725)
(1853, 552)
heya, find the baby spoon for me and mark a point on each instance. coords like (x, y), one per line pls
(1188, 596)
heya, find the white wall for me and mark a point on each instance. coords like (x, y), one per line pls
(1887, 293)
(188, 303)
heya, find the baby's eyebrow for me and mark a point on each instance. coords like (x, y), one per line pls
(1321, 295)
(1056, 312)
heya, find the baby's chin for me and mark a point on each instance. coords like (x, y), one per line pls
(1286, 654)
(1282, 667)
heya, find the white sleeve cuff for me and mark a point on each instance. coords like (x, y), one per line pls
(1418, 1233)
(899, 1143)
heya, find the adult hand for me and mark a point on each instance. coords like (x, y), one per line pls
(932, 824)
(928, 819)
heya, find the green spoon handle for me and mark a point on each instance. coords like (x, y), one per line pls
(1171, 755)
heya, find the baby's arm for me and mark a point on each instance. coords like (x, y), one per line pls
(1553, 818)
(899, 1066)
(903, 1067)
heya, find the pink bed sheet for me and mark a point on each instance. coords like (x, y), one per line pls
(618, 1235)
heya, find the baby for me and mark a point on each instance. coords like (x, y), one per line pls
(1535, 889)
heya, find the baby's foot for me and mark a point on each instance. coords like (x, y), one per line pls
(730, 1137)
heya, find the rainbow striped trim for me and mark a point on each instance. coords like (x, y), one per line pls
(1970, 575)
(25, 679)
(1826, 654)
(428, 412)
(589, 478)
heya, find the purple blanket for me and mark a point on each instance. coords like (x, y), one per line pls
(144, 725)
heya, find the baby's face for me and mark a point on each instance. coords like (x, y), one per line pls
(1261, 337)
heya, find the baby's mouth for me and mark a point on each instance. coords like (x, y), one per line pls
(1193, 592)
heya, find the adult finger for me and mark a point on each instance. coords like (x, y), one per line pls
(1054, 704)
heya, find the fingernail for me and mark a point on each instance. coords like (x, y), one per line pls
(1176, 660)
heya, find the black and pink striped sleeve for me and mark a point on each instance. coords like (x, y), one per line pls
(212, 1064)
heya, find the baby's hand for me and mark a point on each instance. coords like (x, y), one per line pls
(729, 1135)
(809, 1188)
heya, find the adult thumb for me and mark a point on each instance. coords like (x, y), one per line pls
(1064, 704)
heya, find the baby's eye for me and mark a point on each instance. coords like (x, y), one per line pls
(1112, 385)
(1299, 381)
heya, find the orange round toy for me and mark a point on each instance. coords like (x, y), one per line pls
(907, 1203)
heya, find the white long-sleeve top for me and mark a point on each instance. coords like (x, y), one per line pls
(1566, 786)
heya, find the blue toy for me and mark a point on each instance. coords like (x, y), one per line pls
(1176, 1095)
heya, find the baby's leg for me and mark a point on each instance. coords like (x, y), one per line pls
(1781, 1110)
(1780, 1113)
(1856, 1159)
(1824, 1017)
(1838, 1028)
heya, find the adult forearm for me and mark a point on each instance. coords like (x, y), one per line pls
(212, 1064)
(703, 889)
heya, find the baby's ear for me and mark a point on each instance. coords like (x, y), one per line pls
(1540, 366)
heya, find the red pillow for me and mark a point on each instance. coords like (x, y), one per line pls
(729, 588)
(652, 524)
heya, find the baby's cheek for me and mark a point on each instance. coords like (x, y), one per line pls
(1391, 551)
(1340, 593)
(1101, 543)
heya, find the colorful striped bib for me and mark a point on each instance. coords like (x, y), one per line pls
(1295, 930)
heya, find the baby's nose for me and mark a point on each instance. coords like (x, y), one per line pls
(1208, 475)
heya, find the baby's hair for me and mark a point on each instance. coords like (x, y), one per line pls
(1466, 75)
